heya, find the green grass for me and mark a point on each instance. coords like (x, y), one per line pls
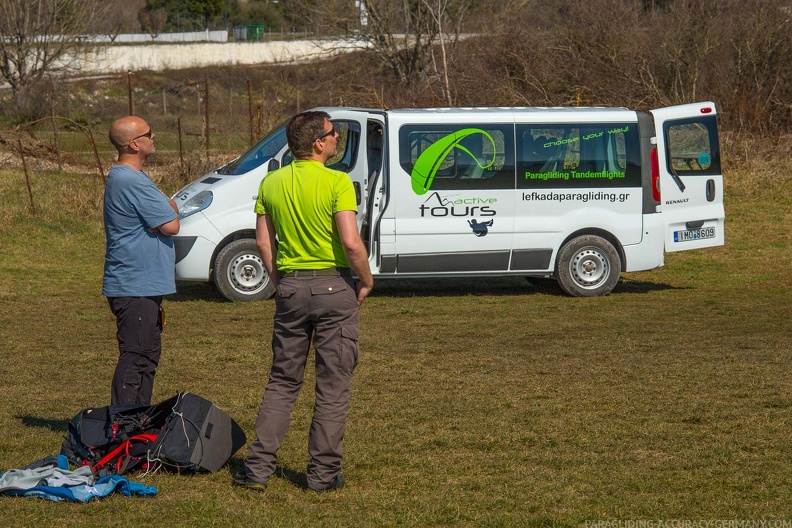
(476, 402)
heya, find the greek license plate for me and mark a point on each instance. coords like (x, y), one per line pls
(694, 234)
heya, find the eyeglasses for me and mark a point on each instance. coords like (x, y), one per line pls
(331, 132)
(146, 135)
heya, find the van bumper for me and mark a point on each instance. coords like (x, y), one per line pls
(648, 254)
(193, 257)
(194, 247)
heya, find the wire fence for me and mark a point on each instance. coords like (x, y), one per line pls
(200, 123)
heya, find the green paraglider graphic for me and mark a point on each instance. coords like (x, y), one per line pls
(428, 163)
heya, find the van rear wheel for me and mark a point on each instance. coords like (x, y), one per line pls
(239, 272)
(588, 266)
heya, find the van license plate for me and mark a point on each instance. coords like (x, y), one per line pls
(694, 234)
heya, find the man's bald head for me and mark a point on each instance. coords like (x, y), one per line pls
(125, 129)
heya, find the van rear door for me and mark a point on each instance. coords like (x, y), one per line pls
(691, 182)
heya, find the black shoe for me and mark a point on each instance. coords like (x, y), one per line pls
(241, 479)
(337, 483)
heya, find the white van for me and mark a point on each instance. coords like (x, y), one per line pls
(579, 194)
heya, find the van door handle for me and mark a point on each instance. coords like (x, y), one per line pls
(357, 191)
(710, 190)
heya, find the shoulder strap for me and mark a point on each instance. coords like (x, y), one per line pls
(122, 453)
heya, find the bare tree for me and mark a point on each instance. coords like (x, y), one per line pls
(401, 33)
(120, 16)
(759, 68)
(445, 13)
(153, 21)
(38, 37)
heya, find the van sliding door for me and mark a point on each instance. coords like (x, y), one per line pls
(453, 196)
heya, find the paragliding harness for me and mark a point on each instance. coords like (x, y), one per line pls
(182, 433)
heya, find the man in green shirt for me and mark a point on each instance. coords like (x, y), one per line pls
(312, 211)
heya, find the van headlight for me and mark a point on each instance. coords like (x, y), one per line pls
(196, 204)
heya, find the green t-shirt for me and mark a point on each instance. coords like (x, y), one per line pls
(301, 198)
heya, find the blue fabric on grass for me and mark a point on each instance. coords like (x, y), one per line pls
(103, 487)
(83, 492)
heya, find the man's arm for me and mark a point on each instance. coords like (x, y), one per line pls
(355, 252)
(265, 242)
(171, 228)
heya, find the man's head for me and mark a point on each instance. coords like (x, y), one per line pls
(132, 136)
(312, 136)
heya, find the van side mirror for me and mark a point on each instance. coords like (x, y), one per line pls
(273, 165)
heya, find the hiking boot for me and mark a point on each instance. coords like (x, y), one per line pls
(337, 483)
(242, 480)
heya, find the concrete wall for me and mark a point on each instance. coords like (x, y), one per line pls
(121, 58)
(220, 35)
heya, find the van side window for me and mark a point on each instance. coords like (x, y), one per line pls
(599, 155)
(347, 147)
(451, 157)
(690, 146)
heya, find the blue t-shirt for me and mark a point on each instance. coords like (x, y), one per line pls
(138, 263)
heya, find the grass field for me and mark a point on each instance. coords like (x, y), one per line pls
(476, 402)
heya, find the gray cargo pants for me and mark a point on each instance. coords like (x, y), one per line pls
(323, 309)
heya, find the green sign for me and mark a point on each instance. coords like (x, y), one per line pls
(430, 160)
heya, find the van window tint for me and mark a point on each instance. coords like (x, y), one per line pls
(347, 145)
(451, 157)
(690, 146)
(577, 155)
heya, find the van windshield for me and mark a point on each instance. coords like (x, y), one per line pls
(259, 153)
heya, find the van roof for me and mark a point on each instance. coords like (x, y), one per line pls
(494, 109)
(561, 113)
(500, 109)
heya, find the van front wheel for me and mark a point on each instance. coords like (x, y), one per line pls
(239, 272)
(588, 266)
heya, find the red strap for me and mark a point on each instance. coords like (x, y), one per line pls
(123, 448)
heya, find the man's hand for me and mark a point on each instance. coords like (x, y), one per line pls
(268, 249)
(363, 291)
(355, 252)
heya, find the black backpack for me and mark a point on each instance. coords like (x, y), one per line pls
(95, 433)
(185, 432)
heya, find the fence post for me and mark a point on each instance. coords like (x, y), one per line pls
(250, 108)
(55, 135)
(129, 89)
(181, 153)
(206, 112)
(27, 177)
(96, 155)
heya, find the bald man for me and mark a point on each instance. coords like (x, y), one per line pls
(139, 267)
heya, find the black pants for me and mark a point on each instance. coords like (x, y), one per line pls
(139, 323)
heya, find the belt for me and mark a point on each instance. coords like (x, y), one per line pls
(327, 272)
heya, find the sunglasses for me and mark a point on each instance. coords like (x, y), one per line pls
(146, 135)
(330, 132)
